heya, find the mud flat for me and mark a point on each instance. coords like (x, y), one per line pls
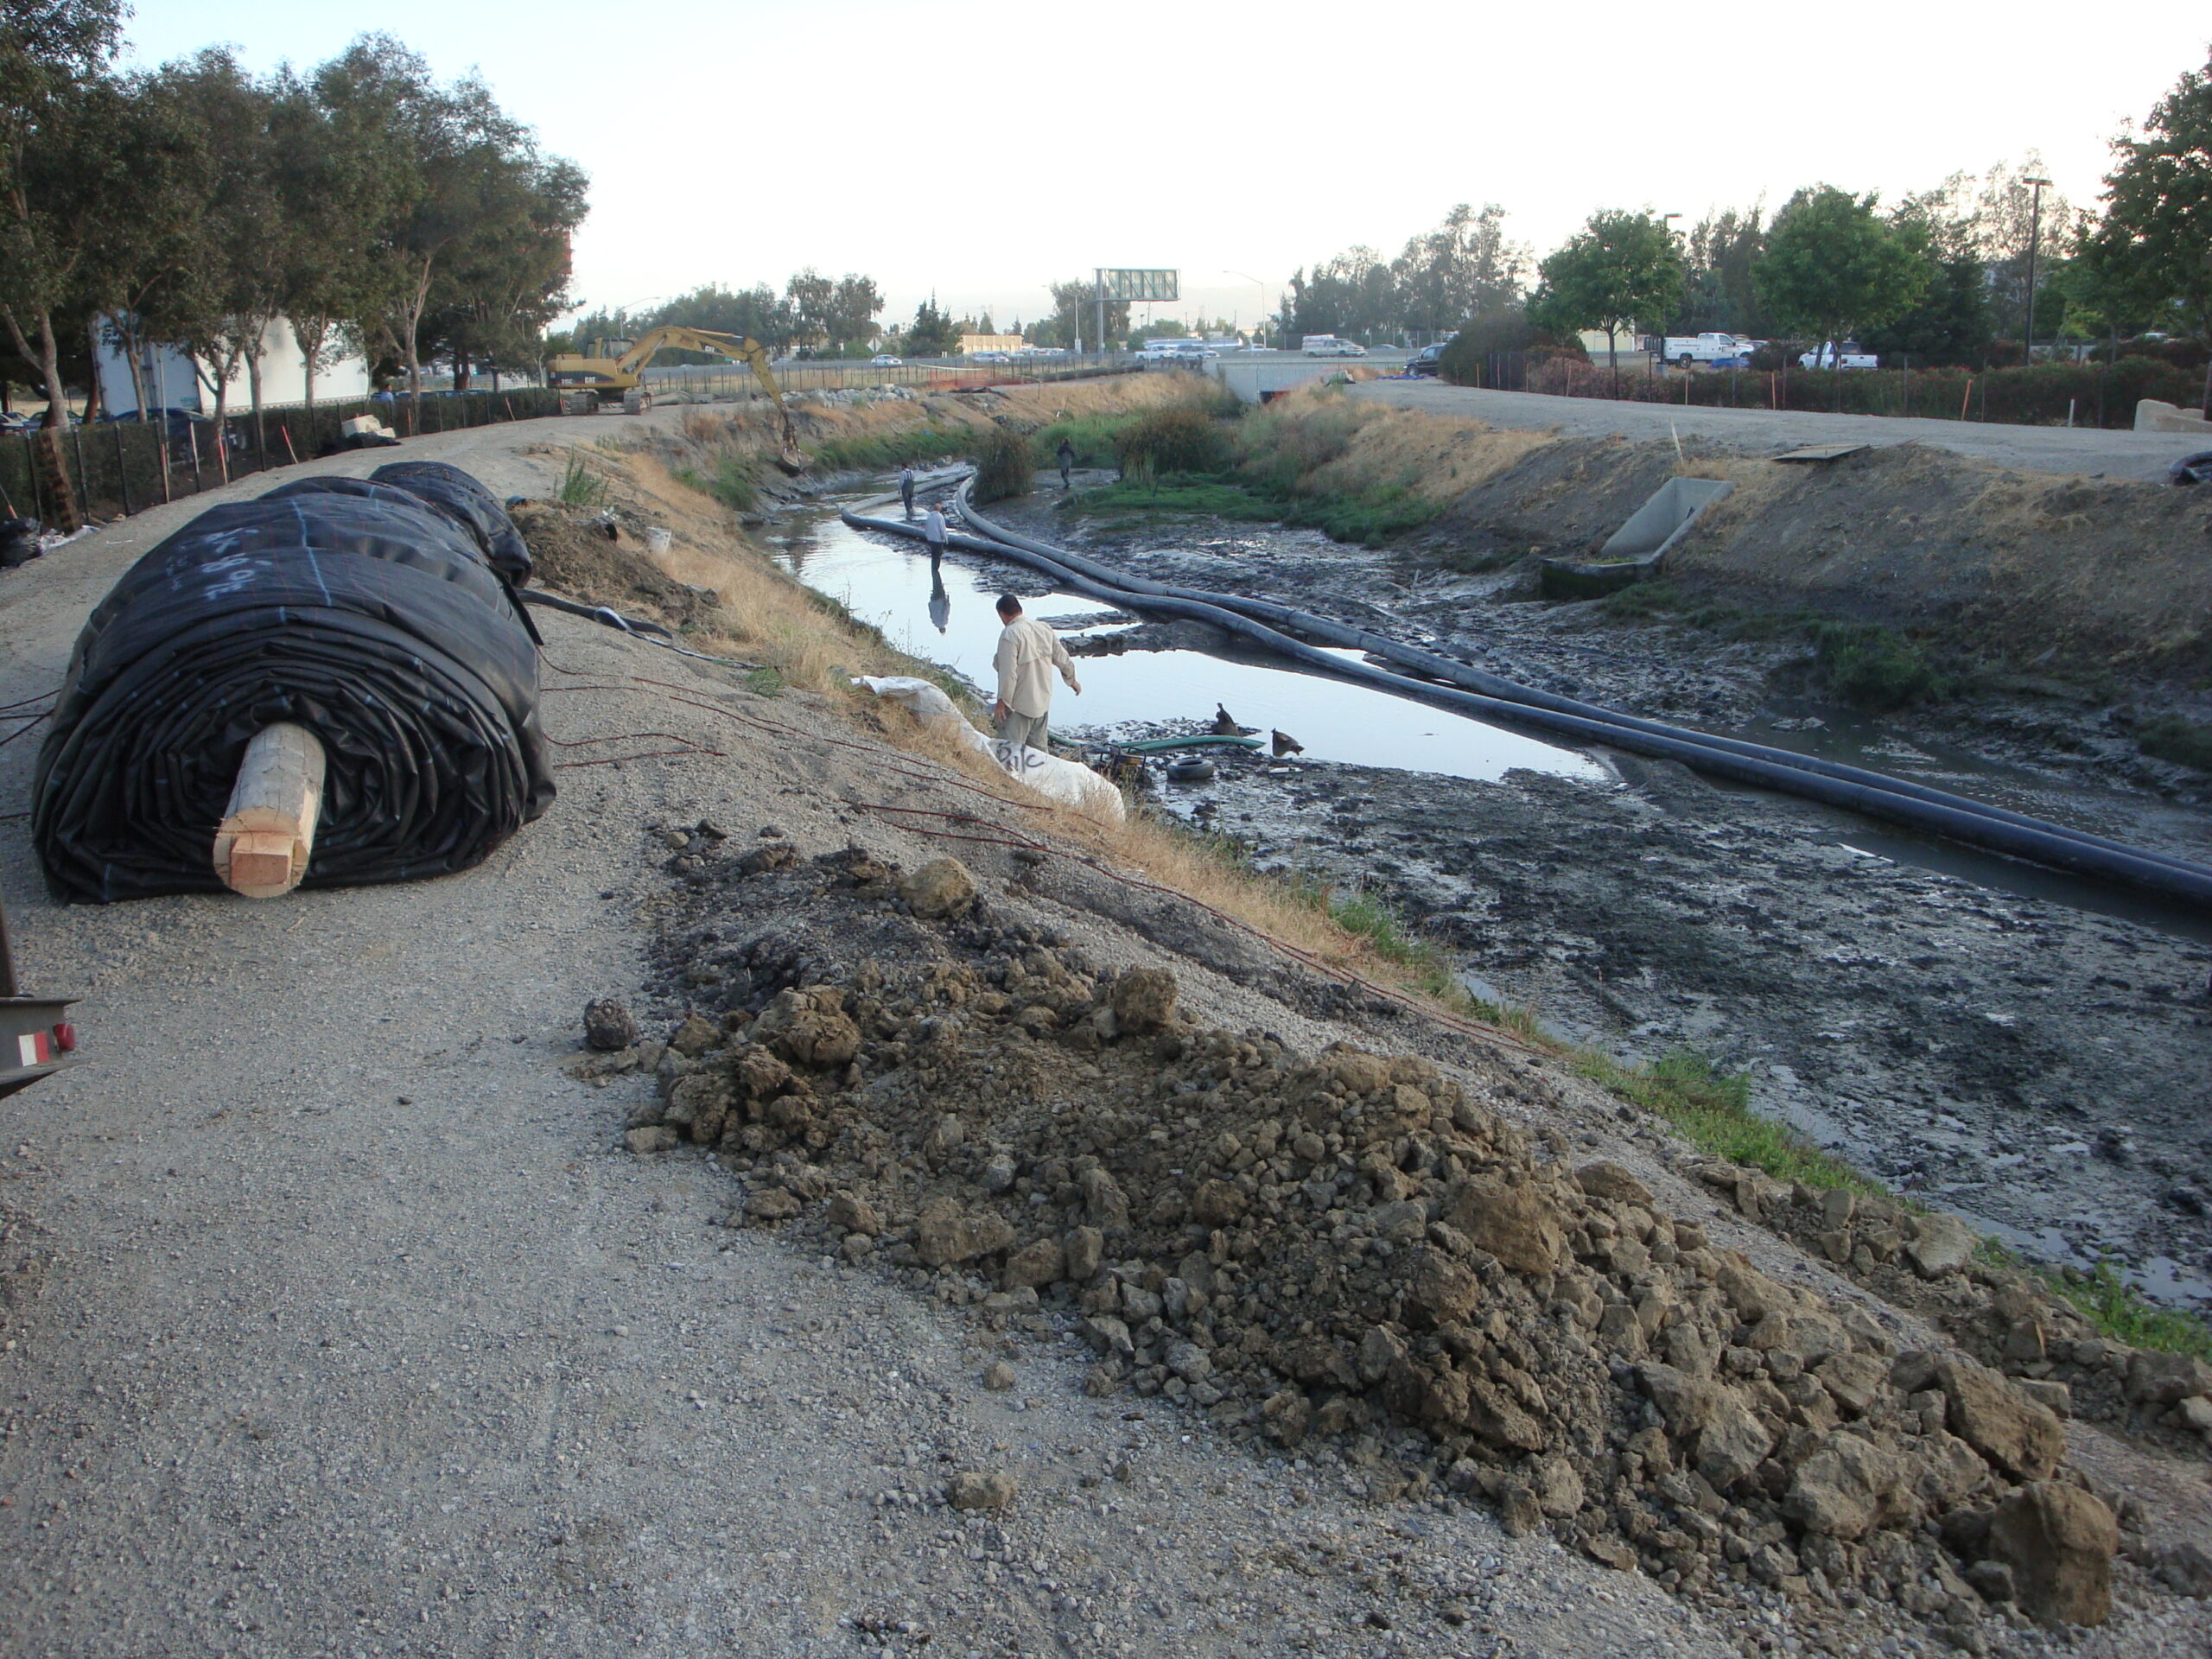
(2021, 1048)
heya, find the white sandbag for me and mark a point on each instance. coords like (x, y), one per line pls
(1068, 782)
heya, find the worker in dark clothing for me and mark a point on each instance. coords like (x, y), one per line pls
(907, 491)
(1067, 462)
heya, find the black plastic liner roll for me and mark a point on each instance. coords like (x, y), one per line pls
(376, 612)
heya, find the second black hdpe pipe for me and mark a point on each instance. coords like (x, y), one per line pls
(1851, 788)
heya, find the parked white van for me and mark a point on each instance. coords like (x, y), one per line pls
(1329, 345)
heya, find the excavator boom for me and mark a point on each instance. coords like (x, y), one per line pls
(625, 374)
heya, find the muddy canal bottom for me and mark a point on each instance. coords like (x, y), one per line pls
(2026, 1051)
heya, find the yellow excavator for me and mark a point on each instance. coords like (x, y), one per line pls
(609, 374)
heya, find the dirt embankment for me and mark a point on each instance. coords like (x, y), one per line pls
(1997, 565)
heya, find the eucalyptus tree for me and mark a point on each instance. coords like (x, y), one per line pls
(60, 171)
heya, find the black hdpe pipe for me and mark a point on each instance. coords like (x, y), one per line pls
(1450, 672)
(1876, 796)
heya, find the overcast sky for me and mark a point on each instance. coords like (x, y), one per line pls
(980, 149)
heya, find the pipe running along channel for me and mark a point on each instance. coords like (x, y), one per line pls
(1445, 684)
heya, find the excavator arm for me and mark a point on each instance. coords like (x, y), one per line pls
(736, 347)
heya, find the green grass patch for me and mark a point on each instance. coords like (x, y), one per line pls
(579, 487)
(2123, 1312)
(733, 484)
(2110, 1303)
(1862, 663)
(765, 682)
(1370, 517)
(1870, 666)
(1710, 1109)
(881, 451)
(1093, 437)
(2183, 741)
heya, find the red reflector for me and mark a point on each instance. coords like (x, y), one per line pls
(65, 1037)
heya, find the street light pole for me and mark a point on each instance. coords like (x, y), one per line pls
(2035, 232)
(1260, 319)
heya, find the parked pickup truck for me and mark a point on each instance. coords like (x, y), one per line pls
(1714, 350)
(1825, 358)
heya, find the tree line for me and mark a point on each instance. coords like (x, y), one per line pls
(814, 315)
(375, 210)
(1940, 277)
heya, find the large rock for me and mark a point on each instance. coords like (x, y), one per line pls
(609, 1026)
(1086, 1248)
(1732, 1443)
(1513, 1223)
(1105, 1205)
(694, 1036)
(946, 1233)
(941, 887)
(809, 1027)
(1438, 1290)
(2059, 1542)
(992, 1491)
(1144, 1000)
(1686, 1403)
(1849, 1487)
(1611, 1181)
(1218, 1203)
(1036, 1265)
(2159, 1379)
(2020, 1437)
(1944, 1244)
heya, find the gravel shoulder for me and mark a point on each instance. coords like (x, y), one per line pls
(338, 1322)
(2138, 455)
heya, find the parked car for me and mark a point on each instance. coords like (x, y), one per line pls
(1825, 358)
(991, 357)
(1429, 360)
(18, 424)
(1715, 350)
(1330, 345)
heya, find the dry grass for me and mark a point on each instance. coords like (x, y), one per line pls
(1438, 457)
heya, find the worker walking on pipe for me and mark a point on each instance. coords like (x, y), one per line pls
(1028, 652)
(1066, 457)
(907, 491)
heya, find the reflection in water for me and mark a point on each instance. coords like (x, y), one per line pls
(903, 593)
(940, 601)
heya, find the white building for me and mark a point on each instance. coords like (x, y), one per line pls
(172, 381)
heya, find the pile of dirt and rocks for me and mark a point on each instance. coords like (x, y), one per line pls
(599, 554)
(1352, 1246)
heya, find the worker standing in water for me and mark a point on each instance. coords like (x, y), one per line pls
(907, 491)
(1028, 652)
(933, 532)
(1066, 456)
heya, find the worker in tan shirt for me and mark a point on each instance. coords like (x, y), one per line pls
(1028, 652)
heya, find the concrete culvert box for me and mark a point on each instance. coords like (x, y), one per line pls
(1635, 552)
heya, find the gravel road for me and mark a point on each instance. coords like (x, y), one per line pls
(1757, 431)
(336, 1323)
